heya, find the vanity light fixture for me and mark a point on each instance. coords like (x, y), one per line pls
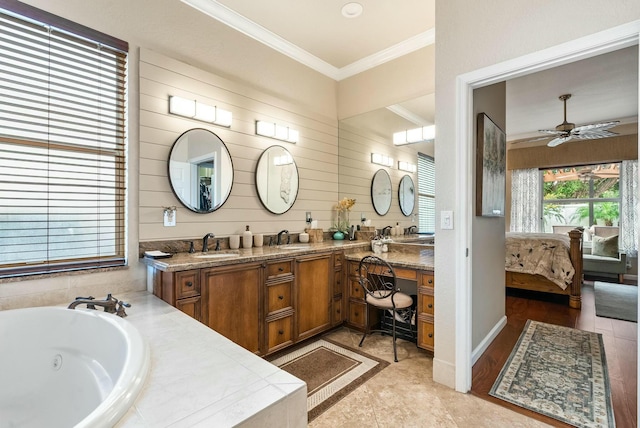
(415, 135)
(406, 166)
(199, 111)
(279, 132)
(381, 159)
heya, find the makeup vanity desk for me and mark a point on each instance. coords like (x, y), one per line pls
(413, 265)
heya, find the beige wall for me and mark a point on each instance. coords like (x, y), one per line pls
(405, 78)
(316, 154)
(488, 273)
(471, 36)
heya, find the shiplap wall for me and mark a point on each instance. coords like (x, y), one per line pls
(356, 172)
(316, 154)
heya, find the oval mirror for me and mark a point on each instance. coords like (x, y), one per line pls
(381, 191)
(406, 195)
(277, 179)
(200, 170)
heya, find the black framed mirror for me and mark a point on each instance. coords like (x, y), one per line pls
(277, 179)
(381, 192)
(406, 195)
(200, 170)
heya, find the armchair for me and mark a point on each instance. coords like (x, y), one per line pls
(604, 256)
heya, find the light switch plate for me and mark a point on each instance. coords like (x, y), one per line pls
(446, 219)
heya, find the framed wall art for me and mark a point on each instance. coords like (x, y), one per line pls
(490, 168)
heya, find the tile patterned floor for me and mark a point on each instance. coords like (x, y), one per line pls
(405, 395)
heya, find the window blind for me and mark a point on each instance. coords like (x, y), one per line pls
(62, 146)
(426, 193)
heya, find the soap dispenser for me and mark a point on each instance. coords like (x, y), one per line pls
(247, 238)
(398, 229)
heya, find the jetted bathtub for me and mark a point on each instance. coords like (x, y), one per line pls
(63, 368)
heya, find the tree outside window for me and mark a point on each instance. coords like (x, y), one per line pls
(581, 196)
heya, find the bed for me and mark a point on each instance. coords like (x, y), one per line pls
(545, 262)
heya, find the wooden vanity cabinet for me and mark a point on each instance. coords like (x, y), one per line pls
(314, 294)
(180, 289)
(279, 304)
(357, 308)
(426, 286)
(232, 303)
(338, 312)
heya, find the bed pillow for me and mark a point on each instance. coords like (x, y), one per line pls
(605, 247)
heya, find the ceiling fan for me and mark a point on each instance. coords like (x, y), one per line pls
(567, 131)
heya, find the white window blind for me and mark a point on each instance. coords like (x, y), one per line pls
(62, 144)
(426, 193)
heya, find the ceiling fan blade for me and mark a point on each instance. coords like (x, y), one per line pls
(594, 135)
(595, 127)
(551, 131)
(557, 141)
(530, 140)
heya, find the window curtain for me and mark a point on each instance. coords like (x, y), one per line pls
(629, 206)
(526, 200)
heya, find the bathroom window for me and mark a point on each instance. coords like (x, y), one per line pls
(426, 194)
(62, 144)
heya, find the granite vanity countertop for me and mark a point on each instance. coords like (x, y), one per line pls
(423, 259)
(197, 377)
(199, 260)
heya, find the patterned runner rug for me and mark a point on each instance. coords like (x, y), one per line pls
(330, 370)
(560, 372)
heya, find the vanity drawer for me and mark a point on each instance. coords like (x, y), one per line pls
(338, 316)
(355, 290)
(337, 259)
(279, 296)
(354, 269)
(279, 269)
(337, 282)
(187, 283)
(279, 332)
(357, 315)
(405, 273)
(425, 305)
(427, 280)
(426, 335)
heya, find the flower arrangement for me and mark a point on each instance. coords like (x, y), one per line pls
(343, 207)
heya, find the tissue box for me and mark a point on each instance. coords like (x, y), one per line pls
(315, 235)
(367, 228)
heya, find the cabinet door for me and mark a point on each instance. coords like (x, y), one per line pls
(314, 287)
(190, 306)
(232, 303)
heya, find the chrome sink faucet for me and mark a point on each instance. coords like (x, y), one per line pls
(205, 242)
(279, 241)
(110, 304)
(386, 231)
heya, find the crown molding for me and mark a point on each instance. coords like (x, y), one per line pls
(409, 115)
(249, 28)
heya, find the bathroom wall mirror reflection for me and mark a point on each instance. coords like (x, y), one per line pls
(381, 191)
(277, 179)
(406, 195)
(200, 170)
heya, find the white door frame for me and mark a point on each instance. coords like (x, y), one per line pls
(595, 44)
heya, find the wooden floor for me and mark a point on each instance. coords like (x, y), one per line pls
(620, 342)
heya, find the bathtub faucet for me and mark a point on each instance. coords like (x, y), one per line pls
(110, 304)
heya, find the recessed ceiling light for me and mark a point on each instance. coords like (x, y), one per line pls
(352, 10)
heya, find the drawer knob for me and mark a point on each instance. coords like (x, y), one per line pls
(280, 269)
(280, 331)
(430, 281)
(280, 297)
(430, 335)
(429, 306)
(338, 311)
(189, 284)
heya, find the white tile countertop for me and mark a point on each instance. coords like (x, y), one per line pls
(199, 378)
